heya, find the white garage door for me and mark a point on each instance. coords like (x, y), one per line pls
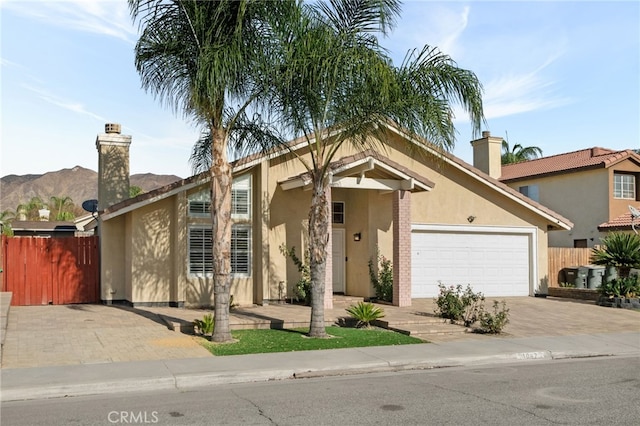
(494, 263)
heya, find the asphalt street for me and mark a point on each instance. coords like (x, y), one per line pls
(588, 391)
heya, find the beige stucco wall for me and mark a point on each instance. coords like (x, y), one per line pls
(581, 197)
(112, 259)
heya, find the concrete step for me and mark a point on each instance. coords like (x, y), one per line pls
(420, 330)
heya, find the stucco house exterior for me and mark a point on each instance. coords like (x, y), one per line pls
(438, 218)
(593, 187)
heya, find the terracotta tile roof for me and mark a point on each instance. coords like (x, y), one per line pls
(622, 222)
(566, 163)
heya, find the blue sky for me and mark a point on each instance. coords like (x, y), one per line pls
(558, 75)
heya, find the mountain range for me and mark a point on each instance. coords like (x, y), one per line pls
(78, 183)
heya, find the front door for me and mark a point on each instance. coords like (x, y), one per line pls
(338, 258)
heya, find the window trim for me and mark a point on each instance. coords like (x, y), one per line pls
(631, 191)
(531, 191)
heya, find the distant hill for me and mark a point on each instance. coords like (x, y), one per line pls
(78, 183)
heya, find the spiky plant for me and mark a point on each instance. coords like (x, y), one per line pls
(620, 250)
(365, 313)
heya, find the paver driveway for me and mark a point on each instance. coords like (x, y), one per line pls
(85, 334)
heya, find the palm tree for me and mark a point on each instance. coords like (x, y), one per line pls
(203, 58)
(518, 153)
(6, 217)
(30, 208)
(335, 76)
(63, 208)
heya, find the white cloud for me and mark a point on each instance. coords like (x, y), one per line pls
(76, 107)
(109, 18)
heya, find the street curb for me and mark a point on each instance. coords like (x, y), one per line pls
(86, 389)
(197, 380)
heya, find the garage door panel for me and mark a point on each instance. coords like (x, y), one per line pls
(496, 264)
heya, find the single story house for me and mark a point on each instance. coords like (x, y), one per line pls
(436, 217)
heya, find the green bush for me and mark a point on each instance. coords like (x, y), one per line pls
(205, 325)
(456, 304)
(620, 250)
(381, 275)
(365, 313)
(493, 323)
(302, 289)
(621, 287)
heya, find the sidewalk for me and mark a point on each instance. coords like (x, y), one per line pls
(184, 374)
(54, 351)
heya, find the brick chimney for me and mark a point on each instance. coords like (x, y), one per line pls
(113, 166)
(487, 152)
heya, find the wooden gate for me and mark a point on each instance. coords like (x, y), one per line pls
(59, 271)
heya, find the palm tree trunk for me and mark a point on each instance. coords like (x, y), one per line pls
(221, 180)
(318, 241)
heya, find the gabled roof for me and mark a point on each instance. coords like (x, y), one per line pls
(584, 159)
(243, 164)
(366, 170)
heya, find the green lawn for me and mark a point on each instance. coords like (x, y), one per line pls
(263, 341)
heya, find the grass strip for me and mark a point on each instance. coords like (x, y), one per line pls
(289, 340)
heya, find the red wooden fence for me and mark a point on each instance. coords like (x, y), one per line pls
(59, 271)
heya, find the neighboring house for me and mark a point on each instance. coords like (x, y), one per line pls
(438, 218)
(592, 187)
(29, 228)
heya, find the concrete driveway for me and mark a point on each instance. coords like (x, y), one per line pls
(39, 336)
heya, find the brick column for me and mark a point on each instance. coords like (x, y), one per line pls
(328, 279)
(402, 248)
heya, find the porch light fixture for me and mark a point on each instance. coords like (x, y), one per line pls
(357, 236)
(471, 218)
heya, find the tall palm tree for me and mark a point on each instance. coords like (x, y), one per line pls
(30, 208)
(518, 153)
(335, 76)
(63, 208)
(203, 59)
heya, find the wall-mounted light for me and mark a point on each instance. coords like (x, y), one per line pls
(357, 236)
(471, 218)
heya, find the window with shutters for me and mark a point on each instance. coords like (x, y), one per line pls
(241, 250)
(201, 246)
(241, 197)
(200, 250)
(200, 202)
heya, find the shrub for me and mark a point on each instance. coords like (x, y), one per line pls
(620, 250)
(621, 287)
(493, 323)
(382, 279)
(567, 285)
(456, 304)
(302, 289)
(205, 325)
(365, 313)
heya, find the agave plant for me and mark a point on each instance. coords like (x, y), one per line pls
(365, 313)
(620, 250)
